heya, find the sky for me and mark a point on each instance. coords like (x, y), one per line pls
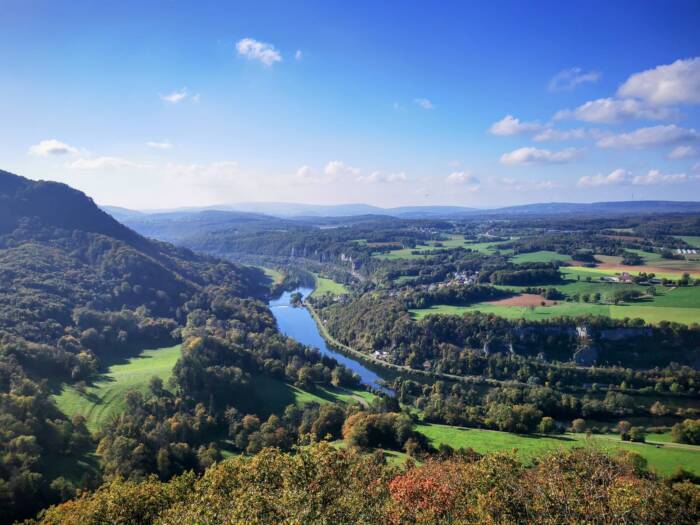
(157, 105)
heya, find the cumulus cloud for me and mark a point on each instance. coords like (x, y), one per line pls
(655, 177)
(618, 176)
(104, 163)
(298, 55)
(649, 137)
(424, 103)
(254, 50)
(613, 111)
(337, 168)
(52, 147)
(676, 83)
(683, 152)
(159, 145)
(176, 96)
(509, 125)
(553, 134)
(387, 178)
(525, 156)
(569, 79)
(462, 177)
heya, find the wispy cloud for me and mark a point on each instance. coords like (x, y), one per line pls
(175, 97)
(571, 78)
(525, 156)
(51, 147)
(649, 137)
(378, 177)
(655, 178)
(424, 103)
(261, 51)
(298, 55)
(683, 152)
(104, 163)
(159, 145)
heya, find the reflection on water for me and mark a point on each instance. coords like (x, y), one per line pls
(298, 324)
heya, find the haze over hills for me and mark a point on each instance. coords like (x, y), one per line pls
(296, 210)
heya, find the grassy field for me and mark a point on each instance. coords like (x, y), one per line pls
(541, 256)
(664, 460)
(324, 286)
(271, 396)
(105, 397)
(454, 241)
(488, 247)
(692, 240)
(275, 275)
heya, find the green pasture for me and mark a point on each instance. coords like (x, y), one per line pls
(275, 275)
(665, 459)
(104, 398)
(543, 256)
(692, 240)
(324, 286)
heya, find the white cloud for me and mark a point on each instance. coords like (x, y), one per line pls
(649, 137)
(260, 51)
(176, 96)
(104, 163)
(612, 111)
(298, 55)
(379, 177)
(159, 145)
(676, 83)
(524, 156)
(52, 147)
(337, 168)
(509, 125)
(618, 176)
(683, 152)
(655, 177)
(424, 103)
(569, 79)
(462, 177)
(511, 184)
(552, 134)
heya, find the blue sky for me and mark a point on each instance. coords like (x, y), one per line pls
(167, 104)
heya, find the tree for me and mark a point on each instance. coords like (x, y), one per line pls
(578, 425)
(546, 426)
(637, 435)
(623, 428)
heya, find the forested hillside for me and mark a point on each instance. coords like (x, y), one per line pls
(78, 289)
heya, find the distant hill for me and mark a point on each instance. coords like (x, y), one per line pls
(309, 211)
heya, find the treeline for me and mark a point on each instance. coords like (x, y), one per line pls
(320, 484)
(374, 322)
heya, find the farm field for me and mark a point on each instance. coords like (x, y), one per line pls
(324, 286)
(105, 397)
(664, 460)
(541, 256)
(488, 247)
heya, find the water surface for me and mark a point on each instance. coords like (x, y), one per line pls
(297, 323)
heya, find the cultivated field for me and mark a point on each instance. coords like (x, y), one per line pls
(105, 397)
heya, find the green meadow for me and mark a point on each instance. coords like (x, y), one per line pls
(541, 256)
(104, 398)
(275, 275)
(692, 240)
(680, 304)
(664, 460)
(324, 286)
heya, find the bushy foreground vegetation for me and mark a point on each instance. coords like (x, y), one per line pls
(322, 485)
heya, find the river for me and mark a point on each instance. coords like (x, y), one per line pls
(297, 323)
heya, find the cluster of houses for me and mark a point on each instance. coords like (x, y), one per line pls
(457, 279)
(683, 251)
